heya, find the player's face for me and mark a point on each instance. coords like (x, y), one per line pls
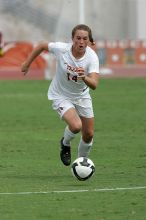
(80, 41)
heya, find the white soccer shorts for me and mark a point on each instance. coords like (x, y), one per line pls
(83, 106)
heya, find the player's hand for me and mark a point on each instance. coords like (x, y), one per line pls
(24, 68)
(81, 73)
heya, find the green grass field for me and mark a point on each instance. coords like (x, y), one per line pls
(34, 185)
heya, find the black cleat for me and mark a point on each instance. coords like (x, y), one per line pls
(65, 154)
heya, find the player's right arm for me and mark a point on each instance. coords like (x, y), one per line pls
(36, 52)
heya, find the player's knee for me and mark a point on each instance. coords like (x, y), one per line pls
(88, 136)
(76, 127)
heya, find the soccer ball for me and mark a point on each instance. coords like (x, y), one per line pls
(83, 168)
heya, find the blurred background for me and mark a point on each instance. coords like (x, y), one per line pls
(35, 20)
(118, 27)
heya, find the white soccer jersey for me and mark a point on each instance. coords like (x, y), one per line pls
(65, 83)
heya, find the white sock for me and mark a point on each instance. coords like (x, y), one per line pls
(68, 136)
(84, 148)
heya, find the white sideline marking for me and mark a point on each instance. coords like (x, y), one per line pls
(75, 191)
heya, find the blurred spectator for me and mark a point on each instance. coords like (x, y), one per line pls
(1, 44)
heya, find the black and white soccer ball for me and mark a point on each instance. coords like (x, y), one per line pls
(83, 168)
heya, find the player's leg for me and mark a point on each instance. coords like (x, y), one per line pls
(68, 113)
(86, 140)
(73, 126)
(85, 110)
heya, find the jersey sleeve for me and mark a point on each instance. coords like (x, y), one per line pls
(93, 63)
(57, 47)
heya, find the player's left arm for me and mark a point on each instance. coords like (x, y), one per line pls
(91, 80)
(90, 76)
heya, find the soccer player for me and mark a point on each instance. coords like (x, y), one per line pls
(77, 71)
